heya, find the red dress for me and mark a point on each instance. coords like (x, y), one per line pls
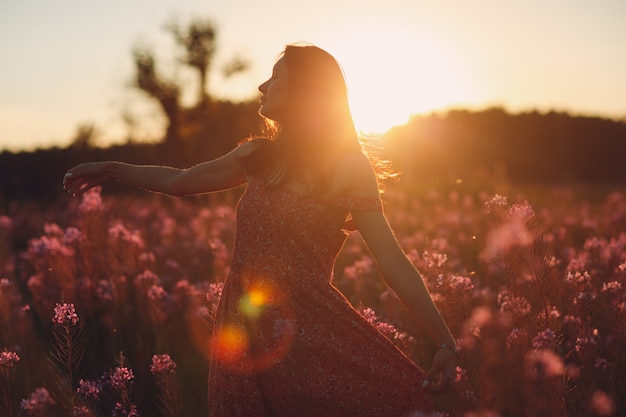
(288, 343)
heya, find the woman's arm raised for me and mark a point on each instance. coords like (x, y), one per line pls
(401, 275)
(219, 174)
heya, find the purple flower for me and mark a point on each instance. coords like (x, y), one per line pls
(65, 314)
(156, 293)
(48, 245)
(91, 201)
(214, 292)
(8, 359)
(72, 236)
(121, 376)
(496, 204)
(6, 223)
(118, 232)
(518, 306)
(523, 210)
(434, 259)
(544, 362)
(162, 364)
(544, 339)
(89, 389)
(38, 401)
(461, 282)
(517, 336)
(129, 410)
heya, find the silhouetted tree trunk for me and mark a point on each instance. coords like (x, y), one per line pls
(167, 93)
(198, 41)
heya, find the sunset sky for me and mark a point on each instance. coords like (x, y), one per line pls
(66, 63)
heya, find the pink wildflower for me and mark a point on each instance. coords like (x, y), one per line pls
(82, 411)
(88, 389)
(118, 232)
(461, 374)
(121, 376)
(461, 283)
(552, 313)
(46, 245)
(602, 366)
(72, 236)
(172, 264)
(434, 259)
(91, 201)
(544, 339)
(496, 204)
(8, 359)
(162, 364)
(53, 230)
(544, 362)
(516, 337)
(125, 411)
(147, 257)
(385, 328)
(524, 211)
(104, 291)
(513, 232)
(214, 292)
(146, 279)
(519, 307)
(156, 293)
(369, 315)
(65, 314)
(585, 344)
(602, 404)
(38, 402)
(6, 223)
(361, 267)
(613, 287)
(578, 277)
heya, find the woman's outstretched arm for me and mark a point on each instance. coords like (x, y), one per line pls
(215, 175)
(402, 276)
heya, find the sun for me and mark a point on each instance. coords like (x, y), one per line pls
(393, 75)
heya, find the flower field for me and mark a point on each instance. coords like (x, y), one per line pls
(106, 302)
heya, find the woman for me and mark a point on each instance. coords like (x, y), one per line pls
(286, 342)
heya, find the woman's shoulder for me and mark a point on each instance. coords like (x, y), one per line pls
(355, 166)
(353, 163)
(353, 176)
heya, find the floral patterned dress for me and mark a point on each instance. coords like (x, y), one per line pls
(288, 343)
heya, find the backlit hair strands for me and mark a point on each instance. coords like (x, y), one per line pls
(317, 123)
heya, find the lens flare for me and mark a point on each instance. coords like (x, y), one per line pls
(253, 301)
(230, 344)
(261, 335)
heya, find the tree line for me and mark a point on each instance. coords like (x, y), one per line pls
(526, 147)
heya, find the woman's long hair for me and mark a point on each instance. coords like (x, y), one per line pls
(316, 123)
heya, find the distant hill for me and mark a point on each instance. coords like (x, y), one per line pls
(528, 147)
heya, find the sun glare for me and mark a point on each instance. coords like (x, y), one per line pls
(389, 78)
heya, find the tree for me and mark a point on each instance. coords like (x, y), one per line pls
(198, 42)
(166, 92)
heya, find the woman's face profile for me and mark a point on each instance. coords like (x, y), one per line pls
(274, 92)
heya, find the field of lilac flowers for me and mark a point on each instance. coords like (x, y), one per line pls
(106, 302)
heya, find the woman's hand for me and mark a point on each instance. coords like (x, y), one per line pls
(85, 176)
(442, 371)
